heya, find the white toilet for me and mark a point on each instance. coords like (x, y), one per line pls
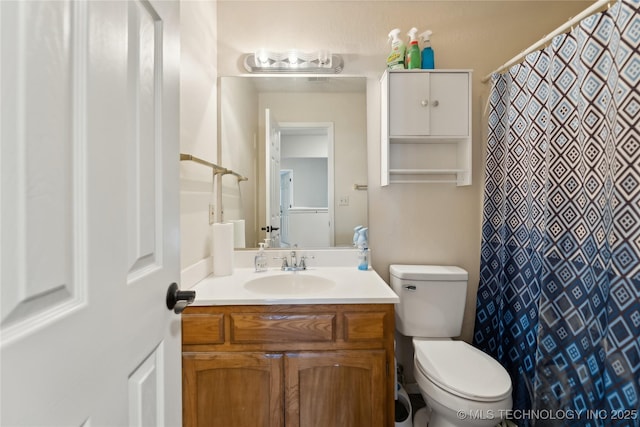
(462, 385)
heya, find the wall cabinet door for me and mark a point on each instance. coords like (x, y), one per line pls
(409, 104)
(449, 104)
(345, 389)
(429, 104)
(233, 390)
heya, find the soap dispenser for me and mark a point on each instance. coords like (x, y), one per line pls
(363, 245)
(363, 259)
(260, 261)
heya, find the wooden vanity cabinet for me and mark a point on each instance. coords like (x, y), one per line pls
(288, 365)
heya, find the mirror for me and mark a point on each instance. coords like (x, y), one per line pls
(302, 143)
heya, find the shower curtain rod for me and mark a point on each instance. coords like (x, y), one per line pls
(595, 7)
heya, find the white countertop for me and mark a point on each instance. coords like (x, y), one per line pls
(352, 286)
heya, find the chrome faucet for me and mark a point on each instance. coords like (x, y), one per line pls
(294, 264)
(294, 259)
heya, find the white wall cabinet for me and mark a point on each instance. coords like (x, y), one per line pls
(426, 126)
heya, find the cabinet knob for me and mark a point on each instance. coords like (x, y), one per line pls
(425, 103)
(436, 103)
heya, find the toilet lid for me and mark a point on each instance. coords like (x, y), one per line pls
(462, 370)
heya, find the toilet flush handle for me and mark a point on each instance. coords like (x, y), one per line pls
(411, 288)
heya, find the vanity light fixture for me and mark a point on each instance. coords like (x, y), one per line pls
(293, 61)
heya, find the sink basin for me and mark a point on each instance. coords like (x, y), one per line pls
(288, 284)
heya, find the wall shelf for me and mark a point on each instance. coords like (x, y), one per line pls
(396, 139)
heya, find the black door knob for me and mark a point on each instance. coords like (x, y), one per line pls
(178, 300)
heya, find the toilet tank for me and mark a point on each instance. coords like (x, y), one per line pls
(432, 299)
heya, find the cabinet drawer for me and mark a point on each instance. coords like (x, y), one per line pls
(364, 326)
(277, 328)
(202, 329)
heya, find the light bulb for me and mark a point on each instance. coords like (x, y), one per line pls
(293, 57)
(324, 57)
(262, 57)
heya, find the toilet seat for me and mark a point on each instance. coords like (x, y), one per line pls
(462, 370)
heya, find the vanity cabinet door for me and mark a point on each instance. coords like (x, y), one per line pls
(233, 389)
(344, 388)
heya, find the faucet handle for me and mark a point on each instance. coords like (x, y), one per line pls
(303, 261)
(285, 264)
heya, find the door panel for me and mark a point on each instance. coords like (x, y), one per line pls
(409, 96)
(233, 390)
(345, 389)
(144, 185)
(449, 104)
(89, 219)
(42, 248)
(272, 153)
(286, 181)
(145, 401)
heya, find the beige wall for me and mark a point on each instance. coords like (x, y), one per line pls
(198, 127)
(238, 144)
(423, 224)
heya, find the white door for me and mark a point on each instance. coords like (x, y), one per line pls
(272, 156)
(89, 219)
(286, 203)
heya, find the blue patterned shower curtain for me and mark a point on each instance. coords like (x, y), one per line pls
(559, 294)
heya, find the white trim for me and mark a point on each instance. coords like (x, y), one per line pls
(330, 166)
(194, 273)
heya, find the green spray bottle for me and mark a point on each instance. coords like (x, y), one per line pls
(413, 51)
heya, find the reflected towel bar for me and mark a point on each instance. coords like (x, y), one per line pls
(217, 170)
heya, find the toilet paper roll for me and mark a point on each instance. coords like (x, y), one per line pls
(238, 233)
(222, 249)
